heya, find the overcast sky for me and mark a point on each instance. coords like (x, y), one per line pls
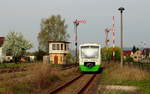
(25, 16)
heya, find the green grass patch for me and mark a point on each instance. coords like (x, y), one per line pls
(144, 90)
(2, 90)
(116, 92)
(21, 88)
(140, 91)
(140, 83)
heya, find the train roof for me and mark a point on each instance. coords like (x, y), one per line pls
(90, 44)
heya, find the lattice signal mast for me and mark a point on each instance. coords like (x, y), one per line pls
(112, 30)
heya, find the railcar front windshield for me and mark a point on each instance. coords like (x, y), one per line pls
(89, 51)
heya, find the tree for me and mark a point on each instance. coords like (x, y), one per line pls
(70, 59)
(129, 59)
(16, 45)
(39, 55)
(107, 53)
(54, 29)
(134, 49)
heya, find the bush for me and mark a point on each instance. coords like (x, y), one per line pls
(70, 59)
(107, 53)
(39, 55)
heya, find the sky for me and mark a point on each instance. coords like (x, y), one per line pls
(25, 16)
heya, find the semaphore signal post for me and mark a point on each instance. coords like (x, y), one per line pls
(76, 24)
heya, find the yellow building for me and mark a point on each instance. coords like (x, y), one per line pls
(58, 51)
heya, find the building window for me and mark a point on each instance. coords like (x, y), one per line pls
(57, 46)
(65, 47)
(62, 47)
(53, 46)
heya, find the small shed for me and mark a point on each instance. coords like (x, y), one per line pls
(58, 51)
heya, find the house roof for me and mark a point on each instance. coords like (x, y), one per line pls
(2, 41)
(127, 52)
(146, 51)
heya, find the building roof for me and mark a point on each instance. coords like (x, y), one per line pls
(58, 41)
(127, 52)
(2, 41)
(146, 51)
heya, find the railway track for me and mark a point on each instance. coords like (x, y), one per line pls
(11, 70)
(79, 85)
(67, 67)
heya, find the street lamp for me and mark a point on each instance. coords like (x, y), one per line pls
(121, 9)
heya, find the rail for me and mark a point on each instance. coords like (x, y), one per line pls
(83, 79)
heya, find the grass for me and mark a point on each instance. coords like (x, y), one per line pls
(2, 90)
(12, 65)
(126, 76)
(19, 64)
(37, 78)
(21, 88)
(116, 92)
(140, 83)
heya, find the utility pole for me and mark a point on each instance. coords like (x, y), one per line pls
(121, 9)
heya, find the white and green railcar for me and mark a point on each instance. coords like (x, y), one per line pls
(90, 57)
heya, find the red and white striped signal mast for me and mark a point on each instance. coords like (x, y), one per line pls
(113, 36)
(76, 24)
(112, 30)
